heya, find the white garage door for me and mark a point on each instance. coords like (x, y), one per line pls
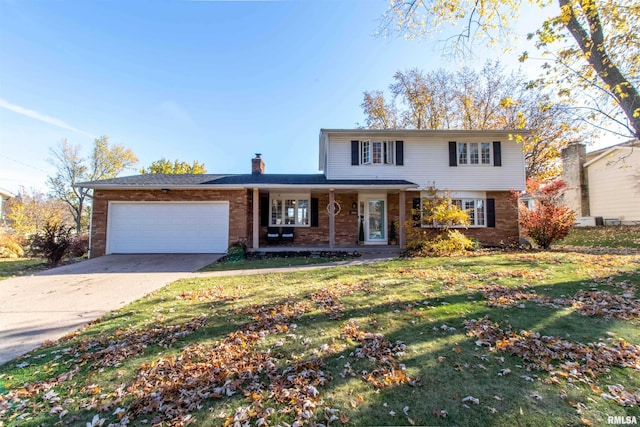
(168, 227)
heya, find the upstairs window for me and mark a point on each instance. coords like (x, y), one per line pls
(377, 153)
(474, 153)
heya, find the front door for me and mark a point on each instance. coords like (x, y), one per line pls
(375, 221)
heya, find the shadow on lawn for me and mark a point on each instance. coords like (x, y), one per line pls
(449, 364)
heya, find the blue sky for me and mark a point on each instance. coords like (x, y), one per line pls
(194, 80)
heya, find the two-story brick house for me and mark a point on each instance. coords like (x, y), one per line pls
(369, 179)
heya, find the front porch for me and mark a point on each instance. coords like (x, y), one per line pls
(345, 220)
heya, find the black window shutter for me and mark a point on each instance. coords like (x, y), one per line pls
(314, 211)
(355, 153)
(264, 211)
(416, 211)
(491, 213)
(453, 154)
(400, 153)
(497, 153)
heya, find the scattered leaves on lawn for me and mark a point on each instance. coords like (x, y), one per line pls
(571, 360)
(376, 348)
(214, 294)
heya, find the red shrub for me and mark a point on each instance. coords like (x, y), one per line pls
(548, 221)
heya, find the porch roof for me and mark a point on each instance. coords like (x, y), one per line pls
(242, 181)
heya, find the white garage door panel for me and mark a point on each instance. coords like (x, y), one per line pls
(168, 227)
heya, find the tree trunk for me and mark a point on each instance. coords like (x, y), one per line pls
(592, 45)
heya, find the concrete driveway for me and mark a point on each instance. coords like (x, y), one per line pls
(53, 303)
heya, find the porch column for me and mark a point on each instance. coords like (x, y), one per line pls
(332, 219)
(256, 219)
(401, 220)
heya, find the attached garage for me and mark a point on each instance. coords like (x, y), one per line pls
(167, 227)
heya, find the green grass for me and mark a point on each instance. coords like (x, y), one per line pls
(264, 339)
(10, 267)
(254, 264)
(608, 237)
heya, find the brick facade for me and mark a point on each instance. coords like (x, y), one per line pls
(346, 222)
(506, 231)
(238, 208)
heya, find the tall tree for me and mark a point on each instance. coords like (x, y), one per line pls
(379, 114)
(176, 167)
(488, 99)
(106, 161)
(588, 45)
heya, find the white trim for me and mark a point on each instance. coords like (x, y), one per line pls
(386, 146)
(290, 196)
(605, 154)
(365, 198)
(445, 133)
(479, 164)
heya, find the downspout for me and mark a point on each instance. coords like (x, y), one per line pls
(90, 229)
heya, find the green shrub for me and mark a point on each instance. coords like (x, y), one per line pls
(53, 243)
(10, 246)
(237, 252)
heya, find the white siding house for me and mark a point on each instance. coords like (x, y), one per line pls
(426, 159)
(614, 184)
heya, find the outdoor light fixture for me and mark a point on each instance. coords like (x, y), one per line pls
(165, 190)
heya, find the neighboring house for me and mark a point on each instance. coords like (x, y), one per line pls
(4, 197)
(603, 184)
(370, 177)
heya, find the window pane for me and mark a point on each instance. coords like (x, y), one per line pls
(389, 151)
(479, 212)
(290, 212)
(377, 152)
(276, 212)
(486, 153)
(462, 153)
(366, 153)
(303, 212)
(469, 206)
(473, 153)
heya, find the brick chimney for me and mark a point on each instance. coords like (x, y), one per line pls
(257, 165)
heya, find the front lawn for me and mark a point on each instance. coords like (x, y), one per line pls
(529, 339)
(10, 267)
(625, 236)
(273, 262)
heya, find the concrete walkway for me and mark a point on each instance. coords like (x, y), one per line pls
(51, 304)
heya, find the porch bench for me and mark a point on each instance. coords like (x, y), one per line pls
(287, 234)
(279, 235)
(273, 235)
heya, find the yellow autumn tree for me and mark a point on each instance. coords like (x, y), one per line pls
(105, 161)
(176, 167)
(29, 212)
(590, 48)
(487, 99)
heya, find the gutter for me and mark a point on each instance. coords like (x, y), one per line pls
(259, 186)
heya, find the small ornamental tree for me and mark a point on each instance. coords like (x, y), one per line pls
(548, 220)
(434, 234)
(53, 242)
